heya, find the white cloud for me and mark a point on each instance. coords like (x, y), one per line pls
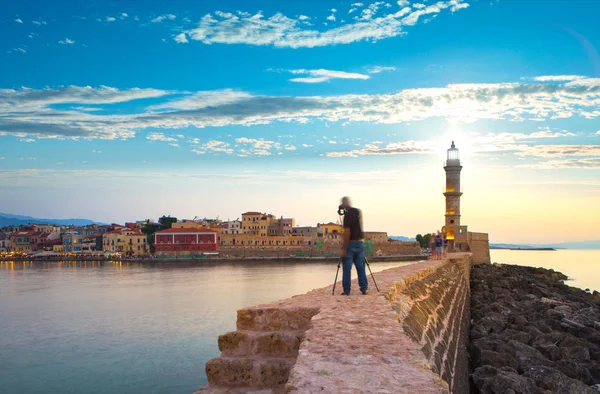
(559, 151)
(303, 18)
(379, 69)
(159, 137)
(598, 132)
(282, 31)
(161, 18)
(27, 140)
(403, 3)
(331, 18)
(18, 20)
(306, 146)
(39, 23)
(67, 41)
(110, 19)
(393, 148)
(29, 112)
(123, 15)
(289, 147)
(557, 78)
(322, 75)
(32, 34)
(590, 163)
(181, 38)
(357, 4)
(22, 50)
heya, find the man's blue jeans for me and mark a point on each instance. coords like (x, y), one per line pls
(355, 252)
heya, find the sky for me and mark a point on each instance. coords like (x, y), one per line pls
(121, 111)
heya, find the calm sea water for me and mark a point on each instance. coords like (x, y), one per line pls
(581, 266)
(105, 328)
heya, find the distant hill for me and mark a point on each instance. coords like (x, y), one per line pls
(591, 244)
(7, 219)
(401, 238)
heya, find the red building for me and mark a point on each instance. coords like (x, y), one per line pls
(185, 242)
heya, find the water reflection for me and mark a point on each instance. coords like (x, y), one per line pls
(110, 327)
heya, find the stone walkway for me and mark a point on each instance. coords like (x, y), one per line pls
(354, 344)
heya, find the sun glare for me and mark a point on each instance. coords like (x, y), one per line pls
(461, 138)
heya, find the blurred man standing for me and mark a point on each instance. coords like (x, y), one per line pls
(353, 248)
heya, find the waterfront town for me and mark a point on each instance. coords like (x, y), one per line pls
(256, 234)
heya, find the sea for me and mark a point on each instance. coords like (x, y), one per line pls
(125, 328)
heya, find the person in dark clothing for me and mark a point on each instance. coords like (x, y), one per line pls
(353, 248)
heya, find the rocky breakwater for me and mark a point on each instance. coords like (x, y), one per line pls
(531, 333)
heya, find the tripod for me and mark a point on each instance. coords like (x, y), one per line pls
(338, 271)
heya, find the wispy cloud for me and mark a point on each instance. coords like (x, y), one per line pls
(39, 23)
(33, 112)
(283, 31)
(66, 41)
(159, 137)
(559, 151)
(110, 19)
(589, 163)
(557, 78)
(161, 18)
(394, 148)
(380, 69)
(18, 20)
(322, 75)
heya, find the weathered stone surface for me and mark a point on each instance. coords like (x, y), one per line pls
(488, 379)
(550, 379)
(550, 332)
(353, 344)
(274, 373)
(230, 372)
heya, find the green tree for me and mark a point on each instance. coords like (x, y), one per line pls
(166, 221)
(149, 228)
(426, 240)
(419, 239)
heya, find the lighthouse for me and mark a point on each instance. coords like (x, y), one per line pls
(452, 228)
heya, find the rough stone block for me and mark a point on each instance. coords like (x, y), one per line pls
(232, 372)
(235, 340)
(271, 319)
(278, 343)
(275, 373)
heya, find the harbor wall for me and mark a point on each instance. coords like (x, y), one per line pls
(408, 337)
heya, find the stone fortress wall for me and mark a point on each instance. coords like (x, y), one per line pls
(411, 337)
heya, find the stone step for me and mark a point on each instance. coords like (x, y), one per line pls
(248, 372)
(275, 319)
(264, 343)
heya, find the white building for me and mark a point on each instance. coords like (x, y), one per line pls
(233, 227)
(5, 243)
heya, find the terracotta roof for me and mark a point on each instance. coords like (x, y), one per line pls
(186, 230)
(252, 213)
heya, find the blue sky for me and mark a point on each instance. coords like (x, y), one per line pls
(126, 110)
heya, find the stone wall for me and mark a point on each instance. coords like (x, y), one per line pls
(329, 247)
(434, 311)
(479, 246)
(411, 337)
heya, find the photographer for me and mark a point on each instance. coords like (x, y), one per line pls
(353, 248)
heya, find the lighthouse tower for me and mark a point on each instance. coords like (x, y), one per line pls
(452, 194)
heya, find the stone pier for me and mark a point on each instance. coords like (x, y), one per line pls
(409, 338)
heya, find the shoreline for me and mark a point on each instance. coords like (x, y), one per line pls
(224, 259)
